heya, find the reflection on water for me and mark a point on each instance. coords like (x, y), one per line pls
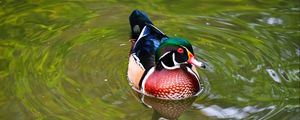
(273, 21)
(167, 109)
(67, 60)
(274, 75)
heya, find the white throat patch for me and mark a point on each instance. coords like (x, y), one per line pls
(176, 64)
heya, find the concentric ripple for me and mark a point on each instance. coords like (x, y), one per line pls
(253, 63)
(68, 60)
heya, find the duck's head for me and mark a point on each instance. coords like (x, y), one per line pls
(174, 52)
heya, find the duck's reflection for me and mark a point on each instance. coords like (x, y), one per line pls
(169, 109)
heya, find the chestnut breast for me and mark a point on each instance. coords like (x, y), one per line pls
(172, 84)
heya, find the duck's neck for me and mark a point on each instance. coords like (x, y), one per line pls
(160, 66)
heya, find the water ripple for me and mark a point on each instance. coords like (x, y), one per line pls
(68, 60)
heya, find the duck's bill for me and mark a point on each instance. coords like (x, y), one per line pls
(197, 63)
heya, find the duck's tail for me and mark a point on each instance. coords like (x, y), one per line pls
(138, 20)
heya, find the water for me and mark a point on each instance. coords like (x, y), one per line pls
(68, 60)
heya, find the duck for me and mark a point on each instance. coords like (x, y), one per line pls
(161, 66)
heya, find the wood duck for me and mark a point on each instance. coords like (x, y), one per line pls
(161, 66)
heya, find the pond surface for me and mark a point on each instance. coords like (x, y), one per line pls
(68, 60)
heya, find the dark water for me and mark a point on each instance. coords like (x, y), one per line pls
(68, 60)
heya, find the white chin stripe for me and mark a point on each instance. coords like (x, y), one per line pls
(176, 64)
(169, 68)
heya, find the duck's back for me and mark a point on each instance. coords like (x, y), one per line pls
(146, 45)
(146, 39)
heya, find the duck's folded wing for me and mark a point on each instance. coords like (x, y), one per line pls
(146, 45)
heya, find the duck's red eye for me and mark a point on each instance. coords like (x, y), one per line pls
(180, 50)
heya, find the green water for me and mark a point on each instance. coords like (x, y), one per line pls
(68, 60)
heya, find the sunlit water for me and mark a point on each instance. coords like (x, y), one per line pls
(68, 60)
